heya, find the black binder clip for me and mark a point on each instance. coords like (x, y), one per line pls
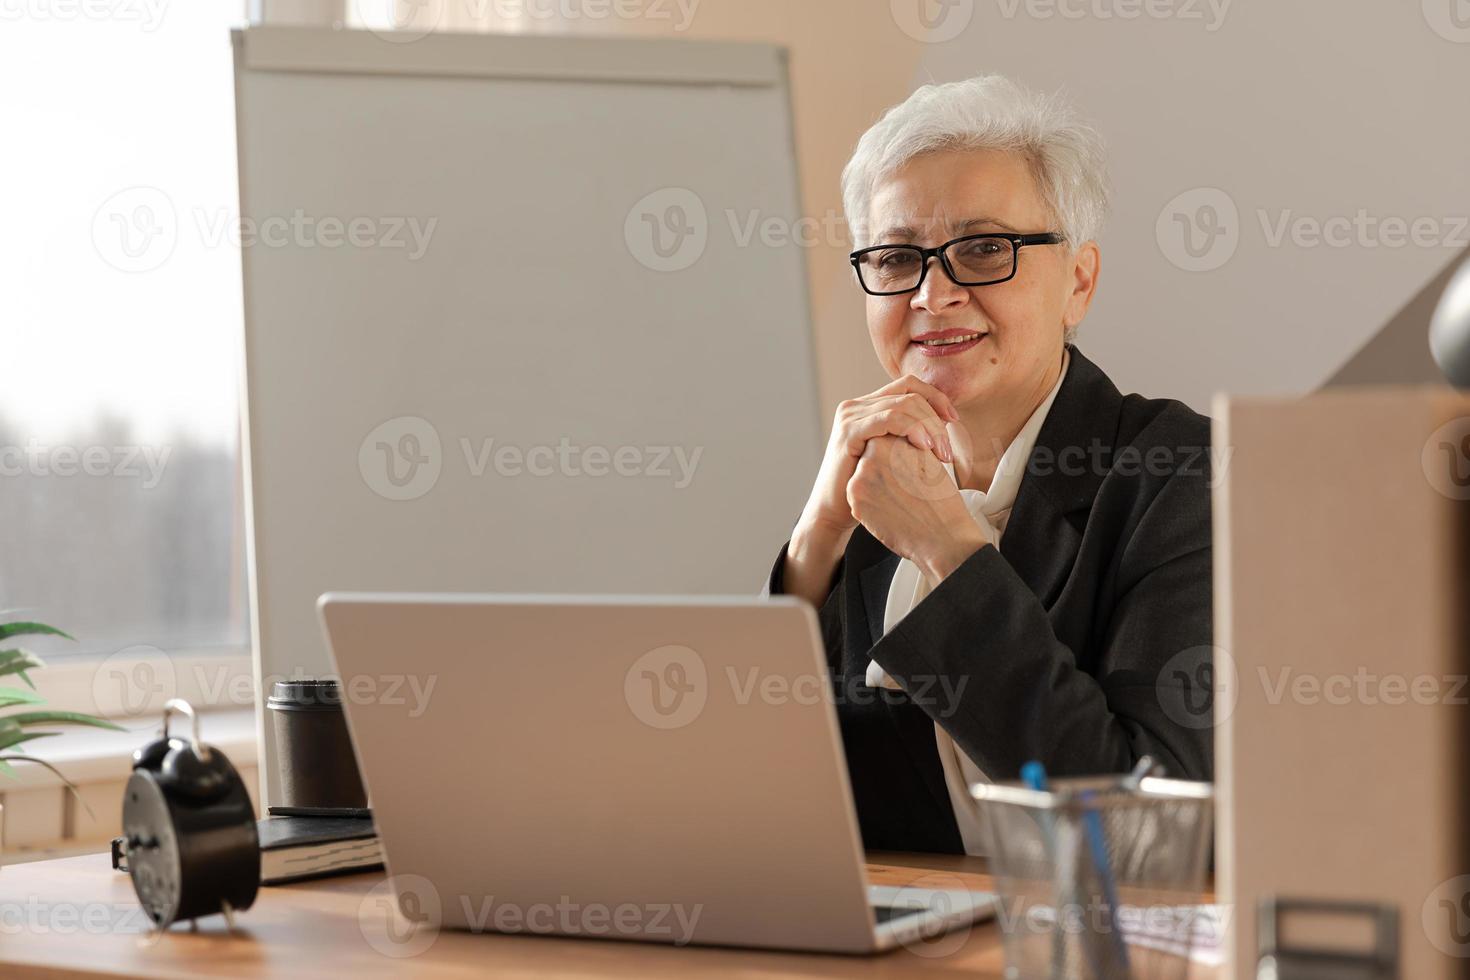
(1282, 961)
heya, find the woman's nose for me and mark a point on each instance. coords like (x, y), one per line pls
(938, 291)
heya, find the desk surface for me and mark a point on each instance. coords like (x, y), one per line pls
(78, 917)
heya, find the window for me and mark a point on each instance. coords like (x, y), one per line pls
(120, 488)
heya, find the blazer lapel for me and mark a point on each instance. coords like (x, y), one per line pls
(1072, 454)
(874, 582)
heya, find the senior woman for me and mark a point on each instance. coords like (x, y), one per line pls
(1010, 559)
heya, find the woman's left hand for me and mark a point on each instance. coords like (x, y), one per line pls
(908, 501)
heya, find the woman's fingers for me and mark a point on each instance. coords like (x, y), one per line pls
(907, 416)
(938, 400)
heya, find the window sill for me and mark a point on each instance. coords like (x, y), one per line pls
(96, 755)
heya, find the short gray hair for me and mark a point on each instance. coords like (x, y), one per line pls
(988, 112)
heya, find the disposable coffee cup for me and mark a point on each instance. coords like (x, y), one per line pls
(313, 750)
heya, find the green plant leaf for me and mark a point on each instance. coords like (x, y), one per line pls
(7, 630)
(14, 736)
(57, 718)
(11, 696)
(18, 662)
(57, 772)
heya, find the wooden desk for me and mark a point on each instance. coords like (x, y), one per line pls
(76, 917)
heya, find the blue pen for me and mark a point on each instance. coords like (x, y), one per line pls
(1033, 774)
(1104, 870)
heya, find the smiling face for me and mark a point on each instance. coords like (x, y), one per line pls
(1010, 334)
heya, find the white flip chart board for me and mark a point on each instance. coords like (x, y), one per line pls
(512, 323)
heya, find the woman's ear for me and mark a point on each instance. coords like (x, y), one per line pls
(1084, 283)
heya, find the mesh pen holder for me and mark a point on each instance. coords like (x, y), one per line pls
(1099, 878)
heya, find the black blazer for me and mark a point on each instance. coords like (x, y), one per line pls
(1083, 642)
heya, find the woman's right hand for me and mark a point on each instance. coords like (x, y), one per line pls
(907, 408)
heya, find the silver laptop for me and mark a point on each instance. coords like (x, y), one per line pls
(660, 769)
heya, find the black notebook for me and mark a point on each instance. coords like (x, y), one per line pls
(295, 848)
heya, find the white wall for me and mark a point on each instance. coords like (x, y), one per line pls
(1312, 108)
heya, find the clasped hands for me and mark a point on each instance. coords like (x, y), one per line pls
(884, 469)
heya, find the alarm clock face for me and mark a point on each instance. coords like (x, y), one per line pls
(153, 848)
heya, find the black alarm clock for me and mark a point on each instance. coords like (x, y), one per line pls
(189, 837)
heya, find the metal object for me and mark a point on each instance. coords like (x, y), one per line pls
(1449, 329)
(189, 837)
(1100, 878)
(1279, 961)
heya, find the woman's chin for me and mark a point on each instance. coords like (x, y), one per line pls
(961, 378)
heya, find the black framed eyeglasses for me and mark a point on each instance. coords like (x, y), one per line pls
(974, 260)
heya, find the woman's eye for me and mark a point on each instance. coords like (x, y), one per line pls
(895, 260)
